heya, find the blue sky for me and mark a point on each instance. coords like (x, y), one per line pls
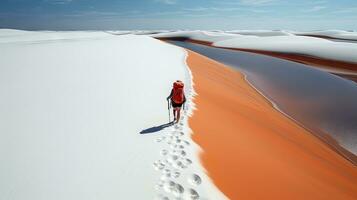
(178, 14)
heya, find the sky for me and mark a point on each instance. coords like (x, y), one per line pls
(300, 15)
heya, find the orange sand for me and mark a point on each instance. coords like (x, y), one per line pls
(252, 151)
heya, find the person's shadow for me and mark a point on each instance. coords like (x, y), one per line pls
(156, 128)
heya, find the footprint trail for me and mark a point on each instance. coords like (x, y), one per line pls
(177, 179)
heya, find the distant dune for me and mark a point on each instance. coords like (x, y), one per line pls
(335, 57)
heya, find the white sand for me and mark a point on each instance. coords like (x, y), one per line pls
(348, 35)
(296, 44)
(72, 106)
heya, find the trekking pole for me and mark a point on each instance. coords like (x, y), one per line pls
(168, 108)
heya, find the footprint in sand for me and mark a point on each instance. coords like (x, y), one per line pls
(169, 186)
(179, 165)
(164, 152)
(188, 161)
(178, 190)
(159, 165)
(192, 194)
(182, 153)
(186, 143)
(174, 161)
(165, 176)
(176, 174)
(195, 180)
(172, 158)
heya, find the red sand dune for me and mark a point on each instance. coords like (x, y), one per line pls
(252, 151)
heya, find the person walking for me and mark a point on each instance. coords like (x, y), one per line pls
(178, 99)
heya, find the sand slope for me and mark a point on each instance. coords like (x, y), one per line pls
(252, 151)
(72, 106)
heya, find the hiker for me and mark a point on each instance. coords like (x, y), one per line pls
(178, 99)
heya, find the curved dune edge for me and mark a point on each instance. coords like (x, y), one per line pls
(340, 68)
(327, 37)
(251, 150)
(343, 69)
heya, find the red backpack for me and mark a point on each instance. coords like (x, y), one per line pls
(178, 93)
